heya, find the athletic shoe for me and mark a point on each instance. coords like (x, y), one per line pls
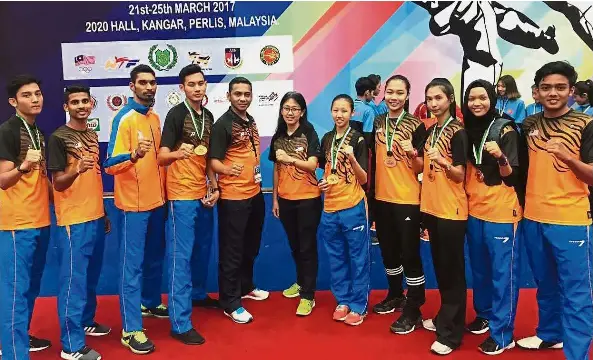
(354, 318)
(207, 302)
(293, 291)
(428, 324)
(36, 344)
(137, 342)
(478, 326)
(535, 343)
(85, 353)
(374, 240)
(305, 307)
(257, 294)
(405, 324)
(97, 330)
(440, 349)
(341, 312)
(240, 316)
(160, 312)
(190, 337)
(490, 347)
(389, 305)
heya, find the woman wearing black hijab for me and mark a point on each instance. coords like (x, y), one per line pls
(494, 215)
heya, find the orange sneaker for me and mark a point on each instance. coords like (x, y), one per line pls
(354, 319)
(341, 312)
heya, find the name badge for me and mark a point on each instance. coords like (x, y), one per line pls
(257, 174)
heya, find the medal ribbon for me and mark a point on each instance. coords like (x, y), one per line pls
(36, 145)
(504, 105)
(433, 141)
(478, 154)
(387, 122)
(193, 119)
(334, 153)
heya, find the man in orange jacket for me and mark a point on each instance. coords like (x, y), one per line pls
(140, 193)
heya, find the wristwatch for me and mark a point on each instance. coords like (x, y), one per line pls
(449, 166)
(23, 171)
(502, 161)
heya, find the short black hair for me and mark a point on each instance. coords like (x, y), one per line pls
(511, 92)
(139, 69)
(346, 97)
(73, 89)
(557, 67)
(190, 70)
(239, 80)
(376, 79)
(17, 82)
(363, 84)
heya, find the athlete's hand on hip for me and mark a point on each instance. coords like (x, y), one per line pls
(557, 148)
(276, 208)
(234, 170)
(493, 149)
(86, 163)
(323, 185)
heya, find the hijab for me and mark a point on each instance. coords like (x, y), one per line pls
(475, 126)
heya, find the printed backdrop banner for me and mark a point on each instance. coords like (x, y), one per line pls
(246, 55)
(324, 47)
(264, 108)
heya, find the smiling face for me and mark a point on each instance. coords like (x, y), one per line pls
(396, 94)
(341, 113)
(79, 106)
(28, 100)
(554, 92)
(291, 112)
(240, 96)
(478, 101)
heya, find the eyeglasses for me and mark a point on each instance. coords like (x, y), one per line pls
(288, 110)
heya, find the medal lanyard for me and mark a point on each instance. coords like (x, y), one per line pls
(193, 119)
(433, 141)
(334, 152)
(387, 122)
(504, 105)
(36, 145)
(478, 154)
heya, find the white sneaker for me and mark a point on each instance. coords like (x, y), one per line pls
(240, 316)
(428, 324)
(535, 343)
(257, 294)
(440, 349)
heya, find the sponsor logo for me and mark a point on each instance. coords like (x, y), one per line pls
(173, 98)
(201, 59)
(116, 102)
(123, 62)
(268, 100)
(93, 124)
(162, 59)
(232, 58)
(220, 100)
(84, 63)
(504, 239)
(94, 102)
(78, 145)
(534, 132)
(269, 55)
(358, 228)
(578, 242)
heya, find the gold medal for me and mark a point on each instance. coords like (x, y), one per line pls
(480, 176)
(431, 176)
(200, 150)
(333, 179)
(390, 162)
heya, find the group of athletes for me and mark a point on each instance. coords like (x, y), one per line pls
(492, 179)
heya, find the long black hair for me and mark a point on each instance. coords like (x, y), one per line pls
(281, 128)
(408, 87)
(448, 89)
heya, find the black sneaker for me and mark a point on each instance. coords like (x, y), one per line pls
(160, 312)
(97, 330)
(374, 240)
(490, 347)
(85, 353)
(390, 305)
(191, 337)
(478, 326)
(36, 344)
(208, 303)
(137, 342)
(405, 324)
